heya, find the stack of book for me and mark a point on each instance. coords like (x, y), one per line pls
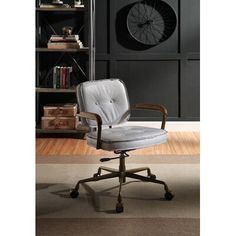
(64, 42)
(61, 77)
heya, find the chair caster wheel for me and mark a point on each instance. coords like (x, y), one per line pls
(119, 208)
(95, 175)
(152, 176)
(74, 193)
(169, 196)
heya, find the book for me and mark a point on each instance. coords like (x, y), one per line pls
(72, 36)
(53, 5)
(61, 77)
(55, 77)
(64, 77)
(58, 77)
(62, 38)
(65, 45)
(68, 71)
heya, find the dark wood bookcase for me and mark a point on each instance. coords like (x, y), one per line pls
(50, 21)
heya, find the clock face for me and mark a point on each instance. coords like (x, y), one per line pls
(151, 22)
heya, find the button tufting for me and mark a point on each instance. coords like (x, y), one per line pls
(111, 101)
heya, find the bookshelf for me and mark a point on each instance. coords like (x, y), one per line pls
(50, 21)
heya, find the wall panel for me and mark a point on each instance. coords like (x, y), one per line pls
(190, 92)
(151, 82)
(190, 25)
(102, 70)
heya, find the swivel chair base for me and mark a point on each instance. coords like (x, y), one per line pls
(122, 173)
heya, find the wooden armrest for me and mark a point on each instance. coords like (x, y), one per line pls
(98, 119)
(157, 107)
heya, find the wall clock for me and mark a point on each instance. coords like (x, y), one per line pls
(151, 22)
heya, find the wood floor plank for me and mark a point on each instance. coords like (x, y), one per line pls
(185, 143)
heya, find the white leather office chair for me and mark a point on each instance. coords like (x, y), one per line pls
(103, 105)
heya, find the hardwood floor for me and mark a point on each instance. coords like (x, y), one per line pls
(187, 143)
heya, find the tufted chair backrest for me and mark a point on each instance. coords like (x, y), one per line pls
(108, 98)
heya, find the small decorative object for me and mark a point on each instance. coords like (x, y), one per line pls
(151, 22)
(78, 3)
(67, 30)
(59, 2)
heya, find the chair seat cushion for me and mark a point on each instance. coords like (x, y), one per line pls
(128, 137)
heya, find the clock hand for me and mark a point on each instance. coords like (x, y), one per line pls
(148, 22)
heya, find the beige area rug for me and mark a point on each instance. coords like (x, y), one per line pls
(92, 213)
(118, 227)
(136, 159)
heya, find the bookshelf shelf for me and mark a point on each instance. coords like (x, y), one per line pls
(84, 49)
(71, 9)
(52, 90)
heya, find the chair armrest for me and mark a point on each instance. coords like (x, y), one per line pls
(98, 119)
(157, 107)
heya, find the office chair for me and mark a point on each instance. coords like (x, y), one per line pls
(103, 105)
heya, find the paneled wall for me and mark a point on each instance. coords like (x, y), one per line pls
(167, 73)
